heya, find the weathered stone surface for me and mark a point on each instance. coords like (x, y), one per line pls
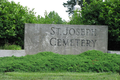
(65, 39)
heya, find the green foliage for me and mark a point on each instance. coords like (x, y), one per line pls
(51, 18)
(71, 3)
(55, 18)
(89, 61)
(10, 47)
(12, 19)
(102, 13)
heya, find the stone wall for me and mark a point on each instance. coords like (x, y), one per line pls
(65, 39)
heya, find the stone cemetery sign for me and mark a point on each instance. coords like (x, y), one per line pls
(65, 39)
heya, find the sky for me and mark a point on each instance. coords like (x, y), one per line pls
(48, 5)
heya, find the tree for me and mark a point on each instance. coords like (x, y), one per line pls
(55, 17)
(71, 3)
(51, 18)
(102, 13)
(12, 19)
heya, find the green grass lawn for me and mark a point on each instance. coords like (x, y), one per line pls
(58, 76)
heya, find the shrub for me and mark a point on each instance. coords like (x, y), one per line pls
(89, 61)
(10, 47)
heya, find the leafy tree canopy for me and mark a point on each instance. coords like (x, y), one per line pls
(55, 17)
(71, 3)
(49, 18)
(13, 18)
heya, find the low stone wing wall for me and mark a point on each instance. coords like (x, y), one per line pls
(113, 52)
(17, 53)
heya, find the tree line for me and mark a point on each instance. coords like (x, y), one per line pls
(96, 12)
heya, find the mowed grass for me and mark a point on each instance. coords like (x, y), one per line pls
(58, 76)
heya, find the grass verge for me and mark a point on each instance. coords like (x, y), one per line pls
(58, 76)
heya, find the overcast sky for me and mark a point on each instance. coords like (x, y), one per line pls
(48, 5)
